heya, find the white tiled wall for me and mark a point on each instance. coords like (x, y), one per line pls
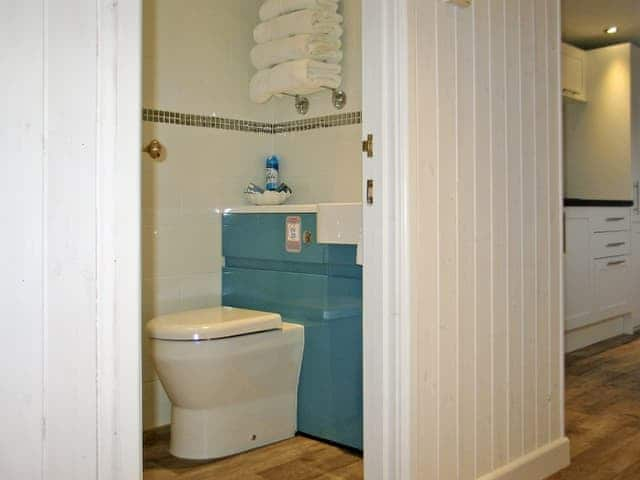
(320, 103)
(196, 57)
(322, 165)
(203, 171)
(196, 60)
(325, 164)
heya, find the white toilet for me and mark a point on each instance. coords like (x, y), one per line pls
(232, 377)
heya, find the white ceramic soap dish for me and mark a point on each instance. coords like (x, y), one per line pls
(268, 197)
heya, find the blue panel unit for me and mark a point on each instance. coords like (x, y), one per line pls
(319, 288)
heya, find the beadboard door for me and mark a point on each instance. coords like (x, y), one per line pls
(70, 189)
(486, 240)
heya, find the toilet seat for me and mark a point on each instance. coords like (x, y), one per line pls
(212, 323)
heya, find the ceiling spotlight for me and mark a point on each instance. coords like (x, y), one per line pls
(611, 30)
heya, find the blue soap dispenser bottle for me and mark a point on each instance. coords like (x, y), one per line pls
(272, 171)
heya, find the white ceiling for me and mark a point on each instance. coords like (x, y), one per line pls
(583, 22)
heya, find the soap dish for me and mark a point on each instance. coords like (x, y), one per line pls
(268, 197)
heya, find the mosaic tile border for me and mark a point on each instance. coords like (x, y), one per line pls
(212, 121)
(327, 121)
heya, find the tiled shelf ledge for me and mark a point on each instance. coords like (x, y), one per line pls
(212, 121)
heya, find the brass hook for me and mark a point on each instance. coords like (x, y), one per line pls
(154, 149)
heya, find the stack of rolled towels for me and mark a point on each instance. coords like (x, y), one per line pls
(298, 48)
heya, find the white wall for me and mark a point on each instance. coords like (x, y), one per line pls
(487, 231)
(196, 57)
(63, 268)
(196, 60)
(598, 133)
(325, 164)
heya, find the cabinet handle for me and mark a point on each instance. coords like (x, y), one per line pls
(615, 244)
(618, 262)
(614, 219)
(572, 92)
(636, 188)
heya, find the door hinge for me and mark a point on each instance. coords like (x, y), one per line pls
(370, 191)
(367, 146)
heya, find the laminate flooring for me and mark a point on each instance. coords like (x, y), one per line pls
(603, 411)
(299, 458)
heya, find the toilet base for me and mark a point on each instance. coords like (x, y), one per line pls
(224, 431)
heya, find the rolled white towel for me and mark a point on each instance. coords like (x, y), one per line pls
(316, 47)
(299, 77)
(301, 22)
(274, 8)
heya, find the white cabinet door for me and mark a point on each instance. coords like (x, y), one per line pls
(612, 282)
(635, 284)
(574, 83)
(578, 281)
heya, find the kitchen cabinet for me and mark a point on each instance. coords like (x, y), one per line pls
(577, 271)
(635, 284)
(574, 73)
(598, 265)
(611, 287)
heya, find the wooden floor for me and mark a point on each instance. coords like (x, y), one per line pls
(602, 415)
(300, 458)
(603, 411)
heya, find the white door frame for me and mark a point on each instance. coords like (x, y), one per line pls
(119, 378)
(388, 353)
(388, 365)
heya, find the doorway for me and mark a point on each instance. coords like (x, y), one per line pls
(601, 66)
(213, 143)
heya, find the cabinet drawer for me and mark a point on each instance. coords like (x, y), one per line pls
(612, 287)
(612, 222)
(610, 244)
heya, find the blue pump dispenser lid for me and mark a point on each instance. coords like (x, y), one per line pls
(272, 162)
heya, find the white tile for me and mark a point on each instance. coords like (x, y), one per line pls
(201, 291)
(149, 373)
(157, 407)
(197, 246)
(158, 175)
(161, 252)
(320, 103)
(160, 295)
(204, 66)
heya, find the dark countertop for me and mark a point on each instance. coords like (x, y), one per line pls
(582, 202)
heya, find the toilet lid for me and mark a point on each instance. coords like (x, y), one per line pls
(211, 323)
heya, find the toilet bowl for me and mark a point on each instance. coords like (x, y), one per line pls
(232, 377)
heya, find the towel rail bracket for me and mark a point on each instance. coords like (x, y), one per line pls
(338, 99)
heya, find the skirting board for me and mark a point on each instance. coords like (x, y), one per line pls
(536, 465)
(585, 336)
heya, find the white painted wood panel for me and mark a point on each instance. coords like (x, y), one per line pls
(21, 193)
(499, 219)
(529, 267)
(70, 147)
(542, 221)
(466, 246)
(556, 298)
(483, 216)
(422, 16)
(514, 222)
(70, 242)
(487, 169)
